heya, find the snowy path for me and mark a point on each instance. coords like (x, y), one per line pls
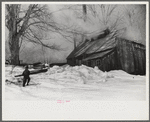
(44, 87)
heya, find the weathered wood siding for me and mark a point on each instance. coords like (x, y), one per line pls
(131, 57)
(127, 55)
(105, 63)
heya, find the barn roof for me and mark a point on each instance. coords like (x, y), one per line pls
(97, 47)
(93, 46)
(102, 44)
(81, 45)
(97, 55)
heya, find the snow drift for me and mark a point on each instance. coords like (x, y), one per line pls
(74, 83)
(78, 74)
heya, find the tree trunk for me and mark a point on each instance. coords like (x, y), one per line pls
(14, 50)
(84, 12)
(13, 36)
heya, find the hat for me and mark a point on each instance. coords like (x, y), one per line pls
(26, 66)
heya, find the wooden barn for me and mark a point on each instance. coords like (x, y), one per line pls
(109, 52)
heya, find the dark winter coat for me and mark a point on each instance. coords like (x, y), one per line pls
(26, 73)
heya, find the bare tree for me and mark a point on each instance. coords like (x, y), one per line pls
(84, 11)
(133, 14)
(107, 15)
(28, 24)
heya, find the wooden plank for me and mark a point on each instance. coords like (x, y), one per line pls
(34, 72)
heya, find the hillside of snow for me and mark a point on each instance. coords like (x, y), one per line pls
(68, 83)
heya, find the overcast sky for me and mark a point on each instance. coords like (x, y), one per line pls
(134, 28)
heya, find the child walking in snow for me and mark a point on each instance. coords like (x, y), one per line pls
(26, 74)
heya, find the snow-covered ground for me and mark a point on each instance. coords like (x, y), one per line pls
(68, 83)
